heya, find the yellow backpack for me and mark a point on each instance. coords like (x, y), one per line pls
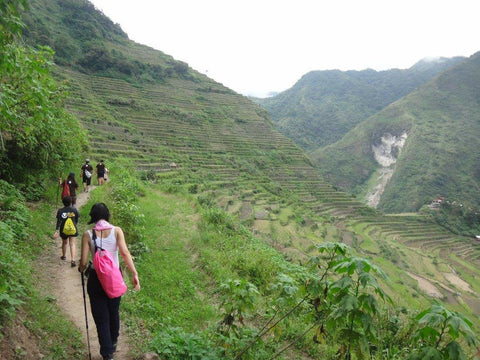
(69, 227)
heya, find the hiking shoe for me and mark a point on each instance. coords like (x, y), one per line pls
(108, 357)
(73, 264)
(63, 258)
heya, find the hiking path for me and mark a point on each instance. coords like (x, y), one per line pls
(65, 283)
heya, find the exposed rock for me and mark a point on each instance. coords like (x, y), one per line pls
(386, 154)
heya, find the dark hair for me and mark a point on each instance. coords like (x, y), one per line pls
(71, 177)
(67, 200)
(98, 212)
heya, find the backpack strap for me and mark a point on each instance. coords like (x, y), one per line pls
(94, 238)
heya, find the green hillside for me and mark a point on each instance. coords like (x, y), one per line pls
(244, 250)
(324, 105)
(440, 156)
(210, 132)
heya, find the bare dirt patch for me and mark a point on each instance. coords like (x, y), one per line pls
(246, 210)
(458, 282)
(426, 286)
(18, 341)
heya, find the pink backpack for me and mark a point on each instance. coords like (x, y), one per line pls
(108, 272)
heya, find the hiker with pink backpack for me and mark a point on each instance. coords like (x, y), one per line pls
(105, 285)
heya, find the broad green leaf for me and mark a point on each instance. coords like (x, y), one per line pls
(453, 351)
(427, 353)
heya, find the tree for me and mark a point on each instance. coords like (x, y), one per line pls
(10, 24)
(37, 135)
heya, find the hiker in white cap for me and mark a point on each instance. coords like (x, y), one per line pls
(87, 171)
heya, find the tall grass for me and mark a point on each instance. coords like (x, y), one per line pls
(175, 292)
(24, 302)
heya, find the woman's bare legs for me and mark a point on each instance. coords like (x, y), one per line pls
(64, 248)
(71, 240)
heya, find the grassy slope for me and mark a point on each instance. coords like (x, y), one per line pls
(187, 264)
(39, 328)
(225, 145)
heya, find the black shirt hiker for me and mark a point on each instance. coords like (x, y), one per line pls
(63, 215)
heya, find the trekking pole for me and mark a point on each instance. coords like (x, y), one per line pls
(86, 318)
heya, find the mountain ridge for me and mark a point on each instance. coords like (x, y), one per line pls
(348, 162)
(440, 120)
(324, 105)
(248, 204)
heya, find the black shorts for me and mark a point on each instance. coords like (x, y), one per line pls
(65, 237)
(87, 180)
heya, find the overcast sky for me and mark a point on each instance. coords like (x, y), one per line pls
(256, 47)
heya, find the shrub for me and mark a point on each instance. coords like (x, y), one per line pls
(14, 230)
(174, 343)
(127, 213)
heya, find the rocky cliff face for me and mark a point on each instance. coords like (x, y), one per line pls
(386, 154)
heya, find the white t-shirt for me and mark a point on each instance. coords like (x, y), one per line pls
(109, 243)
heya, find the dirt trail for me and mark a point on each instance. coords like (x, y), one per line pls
(66, 285)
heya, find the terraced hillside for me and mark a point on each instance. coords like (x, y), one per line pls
(223, 140)
(224, 144)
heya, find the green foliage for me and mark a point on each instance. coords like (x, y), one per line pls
(126, 212)
(220, 219)
(456, 217)
(10, 24)
(344, 297)
(235, 247)
(32, 143)
(174, 343)
(439, 332)
(237, 298)
(14, 231)
(23, 236)
(149, 175)
(37, 136)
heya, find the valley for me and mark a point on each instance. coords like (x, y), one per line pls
(234, 224)
(260, 176)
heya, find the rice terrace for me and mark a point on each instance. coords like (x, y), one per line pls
(245, 249)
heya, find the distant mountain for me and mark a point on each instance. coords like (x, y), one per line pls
(429, 141)
(324, 105)
(142, 108)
